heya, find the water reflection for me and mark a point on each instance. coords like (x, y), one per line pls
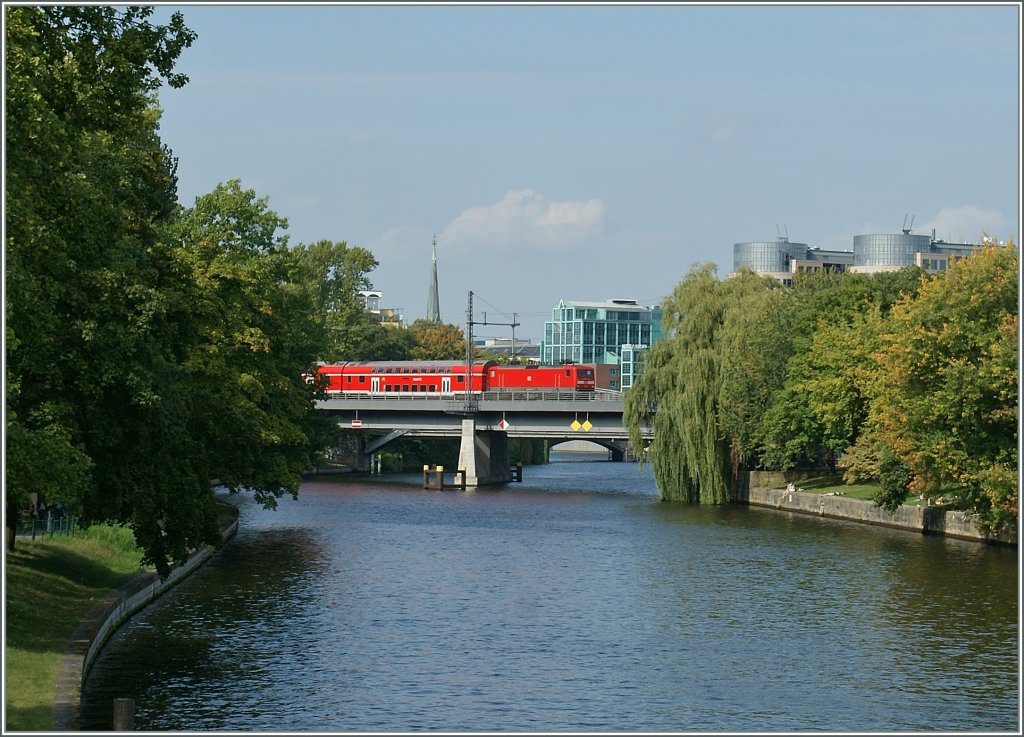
(575, 601)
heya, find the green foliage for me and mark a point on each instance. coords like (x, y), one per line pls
(912, 379)
(894, 480)
(333, 274)
(434, 341)
(149, 350)
(93, 313)
(371, 341)
(683, 394)
(253, 339)
(755, 353)
(834, 331)
(946, 398)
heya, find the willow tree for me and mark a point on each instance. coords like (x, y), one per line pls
(680, 394)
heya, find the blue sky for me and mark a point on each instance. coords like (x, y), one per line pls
(596, 152)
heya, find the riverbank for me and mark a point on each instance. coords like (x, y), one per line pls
(105, 617)
(768, 489)
(64, 598)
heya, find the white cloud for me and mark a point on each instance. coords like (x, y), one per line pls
(967, 224)
(726, 130)
(525, 219)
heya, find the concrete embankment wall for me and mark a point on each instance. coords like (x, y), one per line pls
(768, 489)
(105, 617)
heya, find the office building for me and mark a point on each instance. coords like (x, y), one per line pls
(781, 258)
(893, 251)
(871, 254)
(595, 332)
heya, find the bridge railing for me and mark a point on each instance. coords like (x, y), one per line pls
(524, 395)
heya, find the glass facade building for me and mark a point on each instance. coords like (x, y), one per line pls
(767, 256)
(781, 259)
(888, 249)
(632, 365)
(595, 332)
(891, 251)
(871, 253)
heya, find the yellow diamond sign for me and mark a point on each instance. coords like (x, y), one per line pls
(587, 425)
(575, 425)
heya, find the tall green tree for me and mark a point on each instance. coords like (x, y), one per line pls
(92, 317)
(681, 392)
(821, 404)
(755, 346)
(947, 397)
(334, 273)
(255, 333)
(148, 351)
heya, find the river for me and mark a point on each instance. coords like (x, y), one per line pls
(574, 601)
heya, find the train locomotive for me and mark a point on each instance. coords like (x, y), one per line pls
(448, 377)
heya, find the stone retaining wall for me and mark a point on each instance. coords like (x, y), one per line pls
(103, 619)
(767, 489)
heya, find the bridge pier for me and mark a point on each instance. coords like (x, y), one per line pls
(484, 455)
(616, 454)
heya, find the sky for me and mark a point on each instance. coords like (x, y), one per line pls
(594, 152)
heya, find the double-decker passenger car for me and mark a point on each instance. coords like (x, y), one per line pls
(386, 377)
(447, 377)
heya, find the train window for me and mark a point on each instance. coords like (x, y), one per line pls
(567, 372)
(460, 379)
(362, 379)
(348, 379)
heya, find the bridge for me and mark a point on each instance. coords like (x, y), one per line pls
(485, 421)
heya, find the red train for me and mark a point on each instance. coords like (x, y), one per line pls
(448, 377)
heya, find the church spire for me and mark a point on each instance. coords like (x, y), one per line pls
(433, 304)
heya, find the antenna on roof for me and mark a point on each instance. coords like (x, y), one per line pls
(906, 230)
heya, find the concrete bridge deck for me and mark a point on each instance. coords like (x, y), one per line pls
(555, 414)
(485, 422)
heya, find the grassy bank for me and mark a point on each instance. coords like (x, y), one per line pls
(833, 484)
(51, 584)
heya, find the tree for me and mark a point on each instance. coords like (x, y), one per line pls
(255, 334)
(434, 341)
(369, 340)
(334, 273)
(755, 346)
(832, 329)
(947, 398)
(92, 315)
(681, 389)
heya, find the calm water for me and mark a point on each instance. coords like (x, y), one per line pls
(573, 601)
